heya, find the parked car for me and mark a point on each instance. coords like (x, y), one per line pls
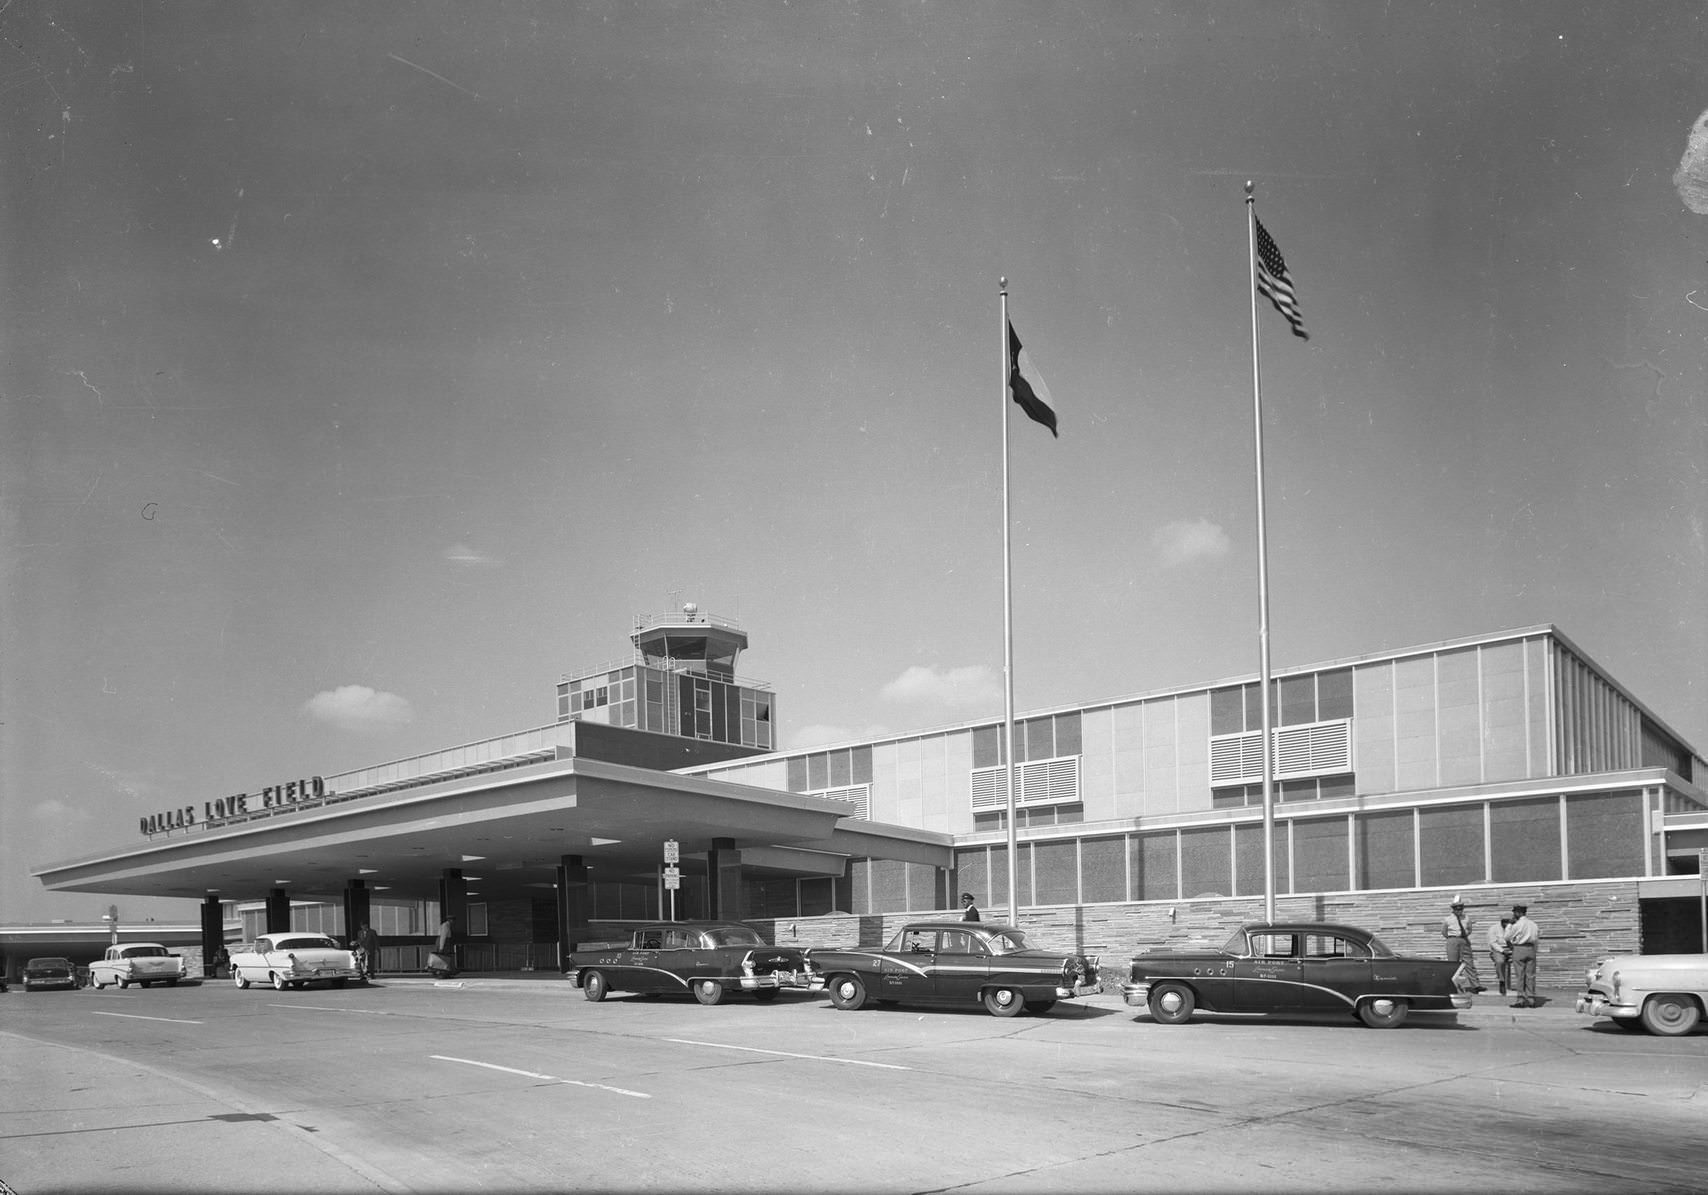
(145, 963)
(294, 961)
(50, 973)
(958, 964)
(708, 958)
(1665, 994)
(1293, 967)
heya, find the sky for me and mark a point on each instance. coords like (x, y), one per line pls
(367, 369)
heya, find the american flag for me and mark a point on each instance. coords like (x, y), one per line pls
(1272, 280)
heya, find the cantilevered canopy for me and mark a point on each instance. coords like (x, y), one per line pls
(506, 829)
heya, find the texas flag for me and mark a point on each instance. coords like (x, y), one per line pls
(1032, 395)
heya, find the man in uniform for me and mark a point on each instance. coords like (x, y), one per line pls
(1522, 936)
(969, 911)
(1456, 932)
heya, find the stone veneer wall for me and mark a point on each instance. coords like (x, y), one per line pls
(1580, 924)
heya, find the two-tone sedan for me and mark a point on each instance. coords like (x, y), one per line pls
(960, 964)
(1293, 967)
(1665, 994)
(708, 958)
(293, 961)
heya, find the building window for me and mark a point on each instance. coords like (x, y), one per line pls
(1310, 749)
(1385, 850)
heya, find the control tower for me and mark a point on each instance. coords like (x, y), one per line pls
(680, 681)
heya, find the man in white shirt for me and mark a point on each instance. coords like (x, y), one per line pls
(1500, 953)
(1522, 935)
(1456, 932)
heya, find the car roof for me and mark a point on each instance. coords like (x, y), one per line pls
(150, 945)
(1306, 927)
(986, 927)
(51, 958)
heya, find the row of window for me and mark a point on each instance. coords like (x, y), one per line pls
(1529, 840)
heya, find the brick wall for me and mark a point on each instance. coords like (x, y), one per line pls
(1580, 923)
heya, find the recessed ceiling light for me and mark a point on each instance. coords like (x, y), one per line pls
(605, 842)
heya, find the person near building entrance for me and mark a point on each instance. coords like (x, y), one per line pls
(1456, 931)
(1500, 953)
(442, 963)
(1522, 935)
(969, 911)
(370, 944)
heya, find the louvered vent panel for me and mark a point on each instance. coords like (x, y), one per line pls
(1041, 782)
(1315, 749)
(857, 795)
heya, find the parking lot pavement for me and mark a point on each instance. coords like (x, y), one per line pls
(76, 1121)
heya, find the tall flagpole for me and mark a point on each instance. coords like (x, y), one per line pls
(1262, 571)
(1008, 626)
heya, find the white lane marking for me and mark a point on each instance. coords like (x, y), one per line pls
(131, 1016)
(510, 1070)
(889, 1066)
(372, 1012)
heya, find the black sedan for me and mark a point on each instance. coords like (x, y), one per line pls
(50, 973)
(958, 964)
(1293, 967)
(708, 958)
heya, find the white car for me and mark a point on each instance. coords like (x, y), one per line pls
(1663, 993)
(146, 963)
(294, 960)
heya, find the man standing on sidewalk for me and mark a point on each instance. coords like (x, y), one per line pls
(1522, 936)
(1500, 953)
(1456, 930)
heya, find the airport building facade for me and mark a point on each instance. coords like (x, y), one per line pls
(1501, 768)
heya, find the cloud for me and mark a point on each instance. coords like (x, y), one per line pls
(467, 557)
(59, 815)
(972, 686)
(1184, 541)
(1692, 176)
(357, 707)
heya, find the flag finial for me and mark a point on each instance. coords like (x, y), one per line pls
(1003, 283)
(1250, 187)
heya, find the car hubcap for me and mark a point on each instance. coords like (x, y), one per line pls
(1383, 1008)
(845, 990)
(1669, 1014)
(1171, 1002)
(1005, 998)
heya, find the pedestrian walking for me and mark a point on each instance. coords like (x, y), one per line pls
(1522, 935)
(1500, 953)
(370, 952)
(1456, 933)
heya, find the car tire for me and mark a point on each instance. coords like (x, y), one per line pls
(237, 978)
(1670, 1016)
(279, 983)
(122, 982)
(708, 991)
(1004, 1002)
(95, 982)
(1039, 1007)
(847, 992)
(593, 986)
(171, 983)
(1383, 1012)
(765, 994)
(1172, 1004)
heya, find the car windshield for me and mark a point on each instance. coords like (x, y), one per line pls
(738, 935)
(305, 944)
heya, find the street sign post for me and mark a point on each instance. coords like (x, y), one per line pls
(672, 873)
(1702, 908)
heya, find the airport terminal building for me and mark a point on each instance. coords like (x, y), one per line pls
(1505, 767)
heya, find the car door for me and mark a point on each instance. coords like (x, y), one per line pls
(1267, 979)
(960, 967)
(647, 963)
(906, 972)
(1334, 971)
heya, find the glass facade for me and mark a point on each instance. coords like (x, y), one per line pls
(670, 702)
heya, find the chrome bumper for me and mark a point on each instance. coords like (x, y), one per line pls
(1136, 994)
(804, 981)
(1078, 989)
(1460, 1001)
(1594, 1004)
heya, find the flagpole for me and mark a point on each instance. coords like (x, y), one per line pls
(1262, 571)
(1008, 625)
